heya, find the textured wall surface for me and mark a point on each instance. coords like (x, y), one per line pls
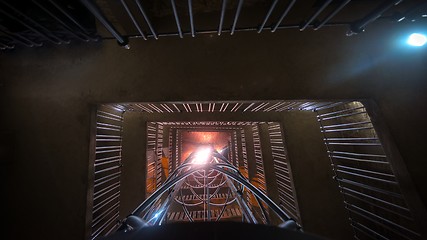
(46, 95)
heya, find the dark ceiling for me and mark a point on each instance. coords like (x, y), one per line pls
(36, 23)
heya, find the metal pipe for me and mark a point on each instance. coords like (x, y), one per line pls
(102, 136)
(86, 38)
(347, 129)
(110, 116)
(105, 202)
(116, 186)
(19, 38)
(309, 105)
(414, 13)
(366, 171)
(47, 34)
(354, 144)
(346, 124)
(94, 9)
(246, 212)
(106, 177)
(367, 177)
(259, 107)
(263, 212)
(340, 111)
(178, 25)
(108, 151)
(288, 200)
(287, 197)
(105, 213)
(331, 15)
(166, 185)
(284, 178)
(105, 190)
(284, 216)
(378, 206)
(367, 229)
(71, 18)
(236, 17)
(107, 169)
(109, 147)
(105, 225)
(109, 125)
(274, 106)
(187, 213)
(344, 189)
(166, 107)
(368, 187)
(165, 207)
(222, 204)
(190, 12)
(106, 159)
(217, 167)
(207, 199)
(324, 5)
(221, 20)
(287, 107)
(342, 115)
(155, 108)
(108, 139)
(315, 106)
(351, 139)
(188, 204)
(362, 211)
(273, 5)
(110, 178)
(245, 29)
(190, 188)
(223, 208)
(358, 154)
(335, 177)
(29, 27)
(331, 105)
(132, 17)
(359, 25)
(109, 129)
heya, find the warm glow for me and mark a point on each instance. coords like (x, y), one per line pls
(202, 155)
(194, 140)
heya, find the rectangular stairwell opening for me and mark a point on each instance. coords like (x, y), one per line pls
(136, 146)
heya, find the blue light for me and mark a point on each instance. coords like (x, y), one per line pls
(417, 39)
(156, 215)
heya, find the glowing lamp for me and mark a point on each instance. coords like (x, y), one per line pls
(202, 156)
(417, 39)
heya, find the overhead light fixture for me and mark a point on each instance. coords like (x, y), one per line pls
(202, 155)
(417, 39)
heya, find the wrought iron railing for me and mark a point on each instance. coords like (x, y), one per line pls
(365, 176)
(105, 191)
(34, 23)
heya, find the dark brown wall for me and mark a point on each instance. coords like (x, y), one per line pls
(46, 95)
(319, 199)
(134, 160)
